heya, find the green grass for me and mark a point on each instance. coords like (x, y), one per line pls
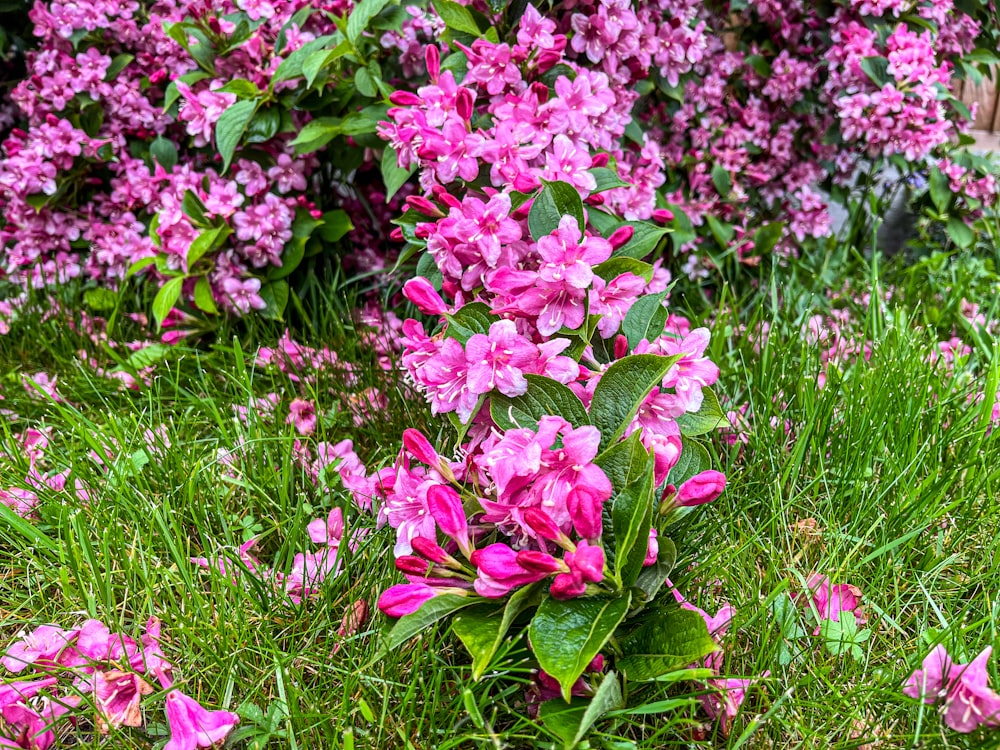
(887, 480)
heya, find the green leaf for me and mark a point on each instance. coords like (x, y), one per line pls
(264, 125)
(960, 233)
(786, 614)
(203, 296)
(429, 613)
(365, 82)
(607, 179)
(631, 514)
(645, 320)
(100, 299)
(243, 88)
(652, 577)
(193, 208)
(231, 126)
(624, 463)
(708, 418)
(670, 640)
(482, 628)
(361, 16)
(694, 459)
(166, 298)
(210, 239)
(683, 230)
(612, 268)
(621, 391)
(117, 65)
(572, 722)
(393, 175)
(877, 69)
(645, 238)
(544, 397)
(140, 265)
(291, 66)
(275, 295)
(767, 237)
(471, 319)
(556, 199)
(317, 133)
(164, 151)
(567, 635)
(456, 17)
(722, 181)
(722, 231)
(940, 189)
(336, 224)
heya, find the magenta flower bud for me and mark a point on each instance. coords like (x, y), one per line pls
(430, 549)
(446, 507)
(405, 598)
(596, 664)
(585, 509)
(396, 235)
(621, 346)
(652, 550)
(542, 524)
(424, 206)
(588, 560)
(419, 447)
(600, 160)
(422, 293)
(465, 104)
(539, 562)
(405, 99)
(525, 183)
(432, 57)
(621, 236)
(663, 215)
(567, 586)
(596, 199)
(701, 488)
(413, 565)
(548, 59)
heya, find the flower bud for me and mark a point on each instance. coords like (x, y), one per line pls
(413, 565)
(701, 488)
(663, 215)
(419, 446)
(446, 507)
(405, 99)
(422, 293)
(432, 57)
(621, 236)
(406, 598)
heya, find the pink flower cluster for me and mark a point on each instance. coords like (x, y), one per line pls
(32, 445)
(80, 203)
(63, 671)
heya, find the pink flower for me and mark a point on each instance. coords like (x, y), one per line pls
(498, 360)
(446, 506)
(406, 598)
(40, 646)
(968, 702)
(501, 571)
(302, 414)
(192, 726)
(830, 601)
(117, 695)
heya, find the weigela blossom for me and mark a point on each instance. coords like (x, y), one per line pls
(967, 702)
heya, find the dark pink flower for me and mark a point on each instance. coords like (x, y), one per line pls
(192, 726)
(117, 695)
(701, 488)
(967, 700)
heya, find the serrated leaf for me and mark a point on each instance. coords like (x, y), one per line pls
(652, 577)
(544, 397)
(572, 723)
(210, 239)
(877, 69)
(429, 613)
(456, 17)
(645, 238)
(555, 200)
(164, 151)
(393, 175)
(275, 296)
(939, 187)
(645, 320)
(482, 628)
(566, 635)
(708, 418)
(614, 267)
(960, 232)
(471, 319)
(203, 296)
(631, 514)
(673, 639)
(231, 126)
(336, 224)
(166, 298)
(622, 389)
(361, 16)
(317, 133)
(118, 64)
(607, 179)
(291, 66)
(721, 180)
(243, 88)
(694, 459)
(766, 237)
